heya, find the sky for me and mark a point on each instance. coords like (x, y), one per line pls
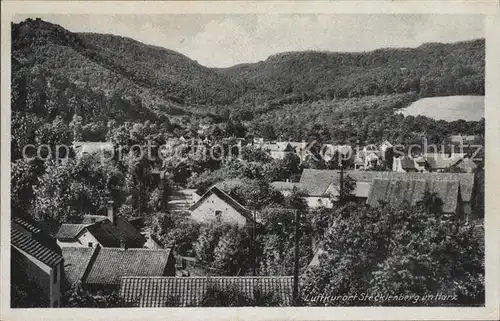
(226, 40)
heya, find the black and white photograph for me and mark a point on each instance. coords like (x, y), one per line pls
(246, 160)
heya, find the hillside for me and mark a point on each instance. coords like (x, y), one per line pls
(429, 70)
(103, 77)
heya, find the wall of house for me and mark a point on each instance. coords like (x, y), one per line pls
(38, 273)
(55, 285)
(87, 238)
(205, 212)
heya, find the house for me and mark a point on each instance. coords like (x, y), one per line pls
(320, 187)
(385, 146)
(102, 268)
(107, 231)
(398, 191)
(215, 204)
(465, 139)
(367, 158)
(189, 291)
(429, 162)
(90, 148)
(345, 152)
(36, 265)
(318, 179)
(279, 150)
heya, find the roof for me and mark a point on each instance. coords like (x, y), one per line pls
(440, 161)
(448, 192)
(76, 261)
(396, 192)
(113, 263)
(111, 234)
(285, 186)
(407, 163)
(315, 259)
(226, 198)
(317, 179)
(154, 292)
(93, 147)
(69, 231)
(467, 165)
(90, 219)
(27, 224)
(280, 146)
(34, 247)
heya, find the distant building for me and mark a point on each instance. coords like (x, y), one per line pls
(411, 191)
(279, 150)
(346, 152)
(36, 264)
(91, 148)
(102, 268)
(367, 158)
(215, 204)
(318, 182)
(429, 162)
(465, 139)
(151, 292)
(107, 231)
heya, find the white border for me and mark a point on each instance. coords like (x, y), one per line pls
(492, 114)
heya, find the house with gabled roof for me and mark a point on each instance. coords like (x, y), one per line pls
(106, 231)
(36, 264)
(320, 180)
(102, 268)
(92, 148)
(216, 204)
(189, 291)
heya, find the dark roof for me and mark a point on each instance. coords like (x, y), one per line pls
(26, 223)
(34, 247)
(154, 292)
(318, 180)
(226, 198)
(113, 263)
(69, 231)
(396, 192)
(112, 234)
(76, 261)
(448, 192)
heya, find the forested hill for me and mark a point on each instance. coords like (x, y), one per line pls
(432, 69)
(116, 77)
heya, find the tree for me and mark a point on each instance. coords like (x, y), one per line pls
(232, 253)
(405, 250)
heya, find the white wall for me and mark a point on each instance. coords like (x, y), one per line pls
(205, 212)
(83, 241)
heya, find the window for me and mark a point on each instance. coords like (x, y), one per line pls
(218, 213)
(55, 274)
(90, 244)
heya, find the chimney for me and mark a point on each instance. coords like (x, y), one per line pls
(111, 214)
(123, 244)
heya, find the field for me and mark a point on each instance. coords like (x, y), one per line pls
(449, 108)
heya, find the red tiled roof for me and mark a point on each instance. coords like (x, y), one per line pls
(76, 261)
(189, 291)
(113, 263)
(34, 248)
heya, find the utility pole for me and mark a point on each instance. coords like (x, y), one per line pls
(296, 258)
(341, 196)
(297, 252)
(254, 250)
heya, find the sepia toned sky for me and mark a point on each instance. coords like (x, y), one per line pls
(226, 40)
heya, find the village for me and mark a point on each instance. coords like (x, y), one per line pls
(107, 252)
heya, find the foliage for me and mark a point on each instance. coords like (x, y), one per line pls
(79, 297)
(232, 296)
(406, 250)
